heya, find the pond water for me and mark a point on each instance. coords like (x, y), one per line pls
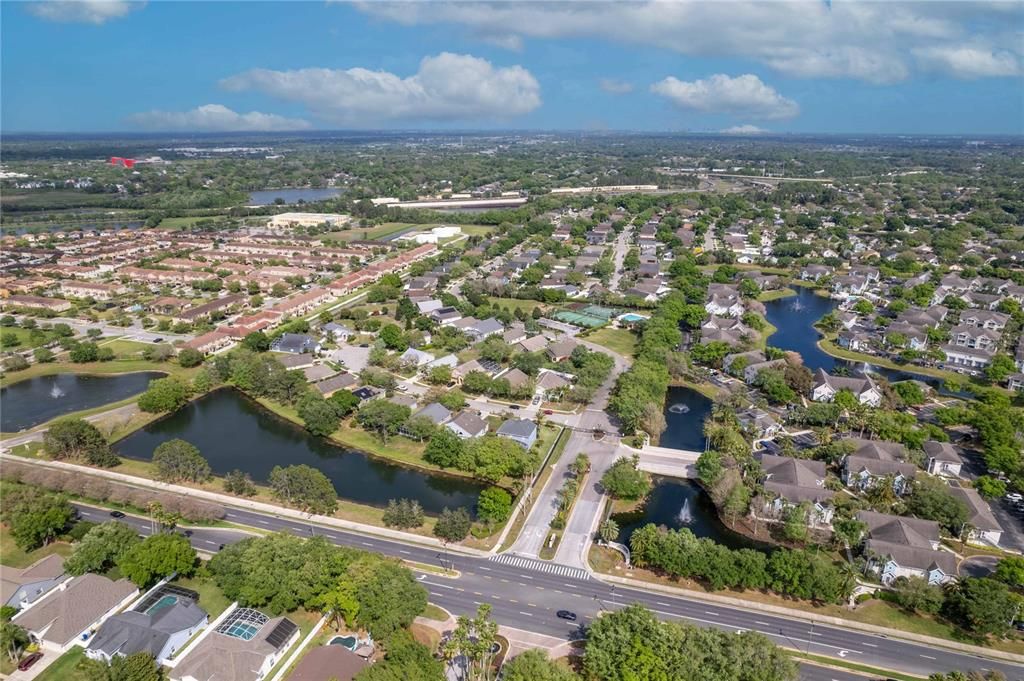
(233, 431)
(677, 503)
(685, 411)
(37, 400)
(795, 316)
(292, 195)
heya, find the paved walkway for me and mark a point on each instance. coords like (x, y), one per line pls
(676, 463)
(126, 412)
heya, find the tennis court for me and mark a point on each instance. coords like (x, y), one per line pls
(578, 319)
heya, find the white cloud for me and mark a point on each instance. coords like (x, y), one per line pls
(970, 62)
(446, 87)
(215, 117)
(746, 129)
(743, 95)
(82, 11)
(615, 87)
(871, 41)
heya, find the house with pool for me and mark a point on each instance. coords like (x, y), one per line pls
(159, 625)
(245, 646)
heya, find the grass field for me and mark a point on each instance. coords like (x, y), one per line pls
(13, 556)
(776, 294)
(211, 598)
(617, 340)
(68, 667)
(126, 349)
(378, 232)
(517, 304)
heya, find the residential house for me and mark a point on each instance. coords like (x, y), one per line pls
(751, 371)
(418, 358)
(467, 425)
(436, 412)
(328, 663)
(942, 459)
(210, 342)
(562, 350)
(790, 482)
(332, 385)
(984, 319)
(863, 388)
(982, 526)
(553, 383)
(724, 300)
(815, 272)
(21, 587)
(295, 361)
(906, 547)
(522, 431)
(337, 332)
(244, 647)
(70, 612)
(759, 423)
(294, 343)
(874, 460)
(154, 626)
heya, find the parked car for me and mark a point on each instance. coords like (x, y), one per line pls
(1014, 496)
(116, 514)
(566, 615)
(28, 661)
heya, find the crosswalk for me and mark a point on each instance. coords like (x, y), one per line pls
(540, 566)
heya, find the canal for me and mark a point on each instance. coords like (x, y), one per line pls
(685, 412)
(234, 432)
(37, 400)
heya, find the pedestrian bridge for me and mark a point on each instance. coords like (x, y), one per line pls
(676, 463)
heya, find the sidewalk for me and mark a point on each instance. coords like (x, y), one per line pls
(246, 504)
(810, 616)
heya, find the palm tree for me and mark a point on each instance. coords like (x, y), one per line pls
(608, 531)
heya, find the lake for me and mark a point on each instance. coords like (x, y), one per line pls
(30, 402)
(233, 431)
(293, 195)
(685, 411)
(795, 316)
(677, 503)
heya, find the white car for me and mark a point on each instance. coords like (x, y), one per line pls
(1015, 497)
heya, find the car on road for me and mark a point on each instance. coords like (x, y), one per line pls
(116, 514)
(158, 340)
(187, 533)
(514, 407)
(1014, 496)
(27, 662)
(548, 412)
(403, 388)
(222, 547)
(566, 615)
(536, 400)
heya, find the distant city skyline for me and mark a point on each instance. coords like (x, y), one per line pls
(742, 67)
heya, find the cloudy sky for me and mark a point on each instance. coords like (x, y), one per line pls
(807, 66)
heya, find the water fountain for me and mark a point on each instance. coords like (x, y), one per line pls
(685, 515)
(679, 408)
(796, 306)
(56, 392)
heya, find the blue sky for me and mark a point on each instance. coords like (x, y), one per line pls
(806, 66)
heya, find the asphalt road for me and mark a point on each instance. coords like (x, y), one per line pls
(527, 596)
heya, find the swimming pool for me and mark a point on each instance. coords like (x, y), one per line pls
(346, 641)
(164, 602)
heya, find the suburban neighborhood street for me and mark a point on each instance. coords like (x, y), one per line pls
(526, 596)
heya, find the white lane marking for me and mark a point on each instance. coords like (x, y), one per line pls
(262, 522)
(929, 657)
(870, 645)
(667, 605)
(366, 543)
(528, 614)
(485, 568)
(718, 624)
(404, 552)
(763, 624)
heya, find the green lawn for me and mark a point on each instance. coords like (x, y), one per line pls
(378, 232)
(126, 348)
(13, 556)
(514, 304)
(776, 294)
(23, 337)
(117, 366)
(68, 667)
(617, 340)
(211, 598)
